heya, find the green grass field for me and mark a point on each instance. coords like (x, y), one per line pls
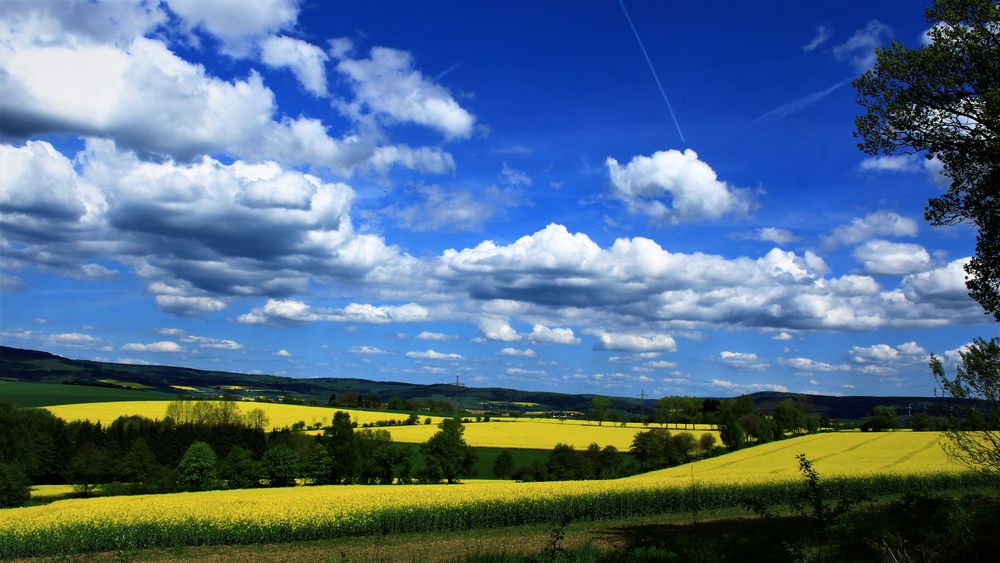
(485, 457)
(47, 394)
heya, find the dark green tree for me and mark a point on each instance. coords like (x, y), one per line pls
(592, 462)
(340, 443)
(599, 409)
(15, 489)
(565, 463)
(942, 101)
(682, 447)
(280, 466)
(316, 464)
(883, 417)
(691, 410)
(614, 417)
(375, 459)
(389, 463)
(431, 473)
(503, 465)
(28, 438)
(921, 422)
(664, 408)
(139, 466)
(611, 462)
(706, 443)
(90, 466)
(790, 416)
(197, 469)
(730, 431)
(976, 391)
(652, 448)
(238, 468)
(448, 450)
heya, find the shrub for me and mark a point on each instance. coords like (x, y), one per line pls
(15, 489)
(238, 468)
(197, 468)
(280, 466)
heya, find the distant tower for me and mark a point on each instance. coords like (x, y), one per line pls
(642, 403)
(909, 409)
(458, 392)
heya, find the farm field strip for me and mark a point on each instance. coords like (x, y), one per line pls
(42, 492)
(578, 422)
(835, 454)
(532, 435)
(279, 415)
(522, 434)
(931, 450)
(304, 513)
(45, 394)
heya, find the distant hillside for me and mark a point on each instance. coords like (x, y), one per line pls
(42, 367)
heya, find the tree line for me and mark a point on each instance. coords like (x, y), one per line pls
(206, 447)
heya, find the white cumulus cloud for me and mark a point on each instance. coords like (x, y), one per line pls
(524, 353)
(162, 346)
(235, 23)
(877, 224)
(306, 61)
(633, 342)
(892, 258)
(387, 84)
(674, 187)
(743, 360)
(433, 355)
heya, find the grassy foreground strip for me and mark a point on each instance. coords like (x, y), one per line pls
(307, 513)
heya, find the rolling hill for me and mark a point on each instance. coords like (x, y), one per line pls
(32, 366)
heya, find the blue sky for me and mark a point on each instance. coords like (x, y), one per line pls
(495, 191)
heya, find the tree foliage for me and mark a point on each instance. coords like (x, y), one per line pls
(599, 409)
(503, 465)
(215, 413)
(197, 469)
(447, 451)
(15, 489)
(280, 466)
(976, 388)
(942, 101)
(238, 468)
(90, 466)
(883, 417)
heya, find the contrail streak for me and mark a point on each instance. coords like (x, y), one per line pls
(449, 70)
(800, 104)
(652, 70)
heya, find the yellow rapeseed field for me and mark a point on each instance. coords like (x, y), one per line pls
(279, 415)
(693, 428)
(500, 433)
(902, 462)
(47, 492)
(835, 454)
(540, 435)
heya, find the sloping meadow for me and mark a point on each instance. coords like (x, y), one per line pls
(304, 513)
